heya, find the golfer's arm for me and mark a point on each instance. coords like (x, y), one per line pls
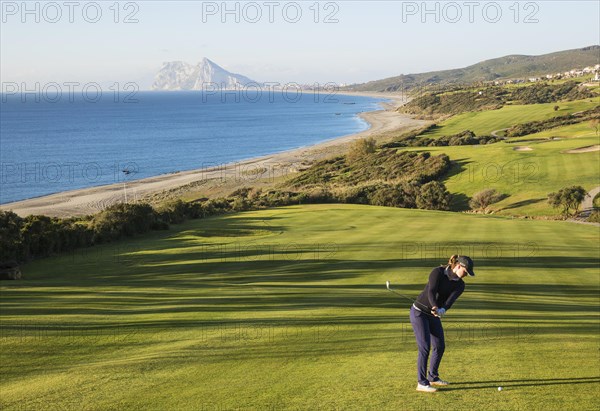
(452, 297)
(434, 280)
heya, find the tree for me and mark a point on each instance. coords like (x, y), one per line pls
(173, 211)
(40, 236)
(568, 198)
(124, 219)
(483, 199)
(10, 235)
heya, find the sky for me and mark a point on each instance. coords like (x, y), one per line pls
(279, 41)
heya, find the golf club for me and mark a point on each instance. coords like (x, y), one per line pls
(423, 309)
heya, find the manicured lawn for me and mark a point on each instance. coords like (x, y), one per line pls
(287, 309)
(484, 122)
(525, 176)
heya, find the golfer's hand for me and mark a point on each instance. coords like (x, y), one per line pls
(438, 312)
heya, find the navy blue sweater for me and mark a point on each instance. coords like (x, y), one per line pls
(440, 290)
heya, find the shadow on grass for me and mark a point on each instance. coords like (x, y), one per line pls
(456, 167)
(505, 303)
(277, 277)
(460, 202)
(523, 203)
(478, 385)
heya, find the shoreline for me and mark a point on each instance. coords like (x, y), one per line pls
(219, 179)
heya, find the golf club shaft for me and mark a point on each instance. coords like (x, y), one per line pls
(422, 309)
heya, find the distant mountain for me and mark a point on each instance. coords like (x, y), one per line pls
(178, 75)
(514, 66)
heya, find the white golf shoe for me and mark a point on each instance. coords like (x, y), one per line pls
(425, 388)
(439, 382)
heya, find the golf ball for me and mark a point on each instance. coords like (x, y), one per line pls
(499, 388)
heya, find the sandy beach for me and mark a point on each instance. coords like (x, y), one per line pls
(263, 171)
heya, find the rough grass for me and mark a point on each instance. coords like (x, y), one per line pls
(287, 309)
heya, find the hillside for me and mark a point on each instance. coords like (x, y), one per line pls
(513, 66)
(434, 105)
(179, 75)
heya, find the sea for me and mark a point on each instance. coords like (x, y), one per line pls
(55, 143)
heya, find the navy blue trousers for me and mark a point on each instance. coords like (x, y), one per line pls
(429, 334)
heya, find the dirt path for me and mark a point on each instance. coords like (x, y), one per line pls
(494, 133)
(588, 202)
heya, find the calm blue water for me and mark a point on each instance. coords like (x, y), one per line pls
(48, 147)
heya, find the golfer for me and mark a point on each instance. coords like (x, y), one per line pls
(444, 287)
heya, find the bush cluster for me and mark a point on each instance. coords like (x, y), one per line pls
(456, 102)
(21, 239)
(24, 239)
(531, 127)
(594, 217)
(386, 164)
(464, 138)
(494, 97)
(541, 93)
(432, 195)
(484, 198)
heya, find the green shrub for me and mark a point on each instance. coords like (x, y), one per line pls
(23, 239)
(397, 195)
(10, 236)
(434, 196)
(241, 204)
(531, 127)
(596, 201)
(216, 206)
(483, 199)
(120, 220)
(361, 148)
(356, 195)
(594, 217)
(173, 212)
(464, 138)
(384, 165)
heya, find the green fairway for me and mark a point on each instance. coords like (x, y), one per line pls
(484, 122)
(526, 177)
(287, 309)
